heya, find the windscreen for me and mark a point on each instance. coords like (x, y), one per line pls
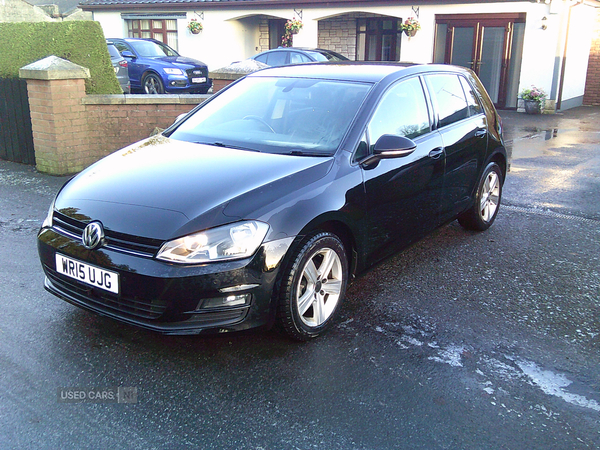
(277, 115)
(327, 56)
(149, 49)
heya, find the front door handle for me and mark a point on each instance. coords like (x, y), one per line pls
(436, 153)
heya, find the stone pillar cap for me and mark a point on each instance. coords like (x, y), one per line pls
(53, 68)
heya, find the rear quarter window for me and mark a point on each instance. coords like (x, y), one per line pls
(472, 99)
(449, 98)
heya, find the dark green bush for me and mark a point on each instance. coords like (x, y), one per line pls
(81, 42)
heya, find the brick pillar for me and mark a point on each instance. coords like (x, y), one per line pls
(224, 79)
(56, 88)
(592, 82)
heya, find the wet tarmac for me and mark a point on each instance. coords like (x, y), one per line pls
(555, 162)
(464, 341)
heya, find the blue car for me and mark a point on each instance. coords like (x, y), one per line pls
(155, 68)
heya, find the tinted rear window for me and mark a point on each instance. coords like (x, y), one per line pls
(113, 52)
(449, 98)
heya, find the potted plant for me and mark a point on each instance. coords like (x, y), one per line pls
(194, 26)
(410, 26)
(533, 99)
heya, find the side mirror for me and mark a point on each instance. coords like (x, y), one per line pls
(390, 146)
(179, 117)
(393, 146)
(127, 54)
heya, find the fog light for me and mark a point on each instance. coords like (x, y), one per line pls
(223, 302)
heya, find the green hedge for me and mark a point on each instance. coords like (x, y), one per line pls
(81, 42)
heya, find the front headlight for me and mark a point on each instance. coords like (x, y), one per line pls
(234, 241)
(173, 71)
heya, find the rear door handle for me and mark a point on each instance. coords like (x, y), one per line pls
(481, 133)
(436, 153)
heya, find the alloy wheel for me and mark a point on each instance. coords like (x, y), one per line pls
(490, 196)
(320, 287)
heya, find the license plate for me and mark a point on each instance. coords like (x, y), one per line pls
(199, 80)
(88, 274)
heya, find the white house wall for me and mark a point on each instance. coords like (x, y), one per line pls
(112, 24)
(233, 35)
(578, 50)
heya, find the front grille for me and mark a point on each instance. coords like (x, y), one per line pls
(197, 72)
(219, 317)
(120, 242)
(99, 299)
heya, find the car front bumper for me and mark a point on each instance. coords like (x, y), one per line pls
(165, 297)
(176, 85)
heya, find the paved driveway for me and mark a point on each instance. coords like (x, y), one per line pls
(464, 341)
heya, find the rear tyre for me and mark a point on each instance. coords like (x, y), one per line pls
(153, 85)
(482, 214)
(313, 286)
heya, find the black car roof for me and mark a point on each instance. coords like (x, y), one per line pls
(369, 72)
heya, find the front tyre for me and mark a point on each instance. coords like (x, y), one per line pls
(487, 201)
(313, 286)
(152, 84)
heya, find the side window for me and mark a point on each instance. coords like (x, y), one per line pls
(262, 58)
(296, 58)
(121, 46)
(449, 97)
(402, 111)
(472, 100)
(276, 58)
(113, 52)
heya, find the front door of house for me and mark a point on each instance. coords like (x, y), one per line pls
(489, 44)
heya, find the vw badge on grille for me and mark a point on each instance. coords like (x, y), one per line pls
(93, 235)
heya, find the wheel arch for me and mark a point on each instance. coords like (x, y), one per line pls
(499, 157)
(151, 71)
(335, 227)
(338, 227)
(148, 72)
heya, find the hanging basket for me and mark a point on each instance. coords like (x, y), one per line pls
(194, 26)
(410, 33)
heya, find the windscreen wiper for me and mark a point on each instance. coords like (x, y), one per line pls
(223, 145)
(305, 153)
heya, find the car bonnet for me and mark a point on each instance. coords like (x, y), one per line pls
(161, 187)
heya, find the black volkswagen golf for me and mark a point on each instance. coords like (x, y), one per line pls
(262, 203)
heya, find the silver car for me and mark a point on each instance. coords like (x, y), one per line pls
(120, 65)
